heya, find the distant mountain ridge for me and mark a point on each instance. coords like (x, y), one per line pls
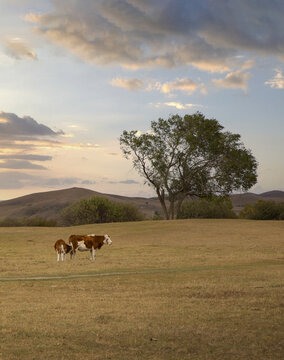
(49, 204)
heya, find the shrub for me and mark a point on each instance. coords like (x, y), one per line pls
(263, 210)
(281, 210)
(99, 210)
(215, 208)
(157, 216)
(247, 212)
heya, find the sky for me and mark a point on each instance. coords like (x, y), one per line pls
(75, 73)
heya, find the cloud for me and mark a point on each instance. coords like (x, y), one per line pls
(20, 137)
(129, 84)
(14, 180)
(186, 85)
(18, 180)
(20, 164)
(25, 133)
(27, 157)
(22, 161)
(88, 182)
(13, 126)
(208, 35)
(234, 80)
(248, 64)
(18, 49)
(178, 105)
(127, 182)
(277, 82)
(58, 182)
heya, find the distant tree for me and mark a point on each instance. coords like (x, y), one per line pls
(189, 156)
(263, 210)
(213, 208)
(99, 210)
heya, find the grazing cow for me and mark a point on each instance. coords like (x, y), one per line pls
(89, 242)
(62, 249)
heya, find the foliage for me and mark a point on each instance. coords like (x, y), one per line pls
(157, 216)
(263, 210)
(189, 156)
(99, 210)
(32, 221)
(215, 208)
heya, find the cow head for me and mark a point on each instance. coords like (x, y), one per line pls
(107, 240)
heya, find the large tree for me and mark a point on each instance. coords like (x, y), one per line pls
(189, 156)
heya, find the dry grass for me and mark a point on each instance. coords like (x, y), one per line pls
(222, 299)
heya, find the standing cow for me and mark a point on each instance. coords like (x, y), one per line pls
(62, 249)
(89, 242)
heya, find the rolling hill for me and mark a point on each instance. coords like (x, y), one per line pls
(49, 204)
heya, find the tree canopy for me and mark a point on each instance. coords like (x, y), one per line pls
(189, 156)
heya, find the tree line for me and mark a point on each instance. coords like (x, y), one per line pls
(101, 210)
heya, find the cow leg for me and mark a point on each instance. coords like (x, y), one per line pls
(64, 256)
(92, 251)
(58, 256)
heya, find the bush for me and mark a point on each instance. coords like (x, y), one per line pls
(35, 221)
(215, 208)
(263, 210)
(99, 210)
(157, 216)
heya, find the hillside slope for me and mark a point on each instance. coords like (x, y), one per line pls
(240, 200)
(49, 204)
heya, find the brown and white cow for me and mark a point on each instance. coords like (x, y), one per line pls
(62, 249)
(89, 242)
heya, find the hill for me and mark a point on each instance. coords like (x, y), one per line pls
(240, 200)
(49, 204)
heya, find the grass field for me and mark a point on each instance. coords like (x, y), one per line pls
(186, 289)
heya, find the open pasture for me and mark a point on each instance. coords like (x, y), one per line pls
(185, 289)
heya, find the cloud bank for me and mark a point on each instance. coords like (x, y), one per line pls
(208, 35)
(20, 137)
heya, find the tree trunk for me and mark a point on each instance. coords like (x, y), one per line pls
(161, 197)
